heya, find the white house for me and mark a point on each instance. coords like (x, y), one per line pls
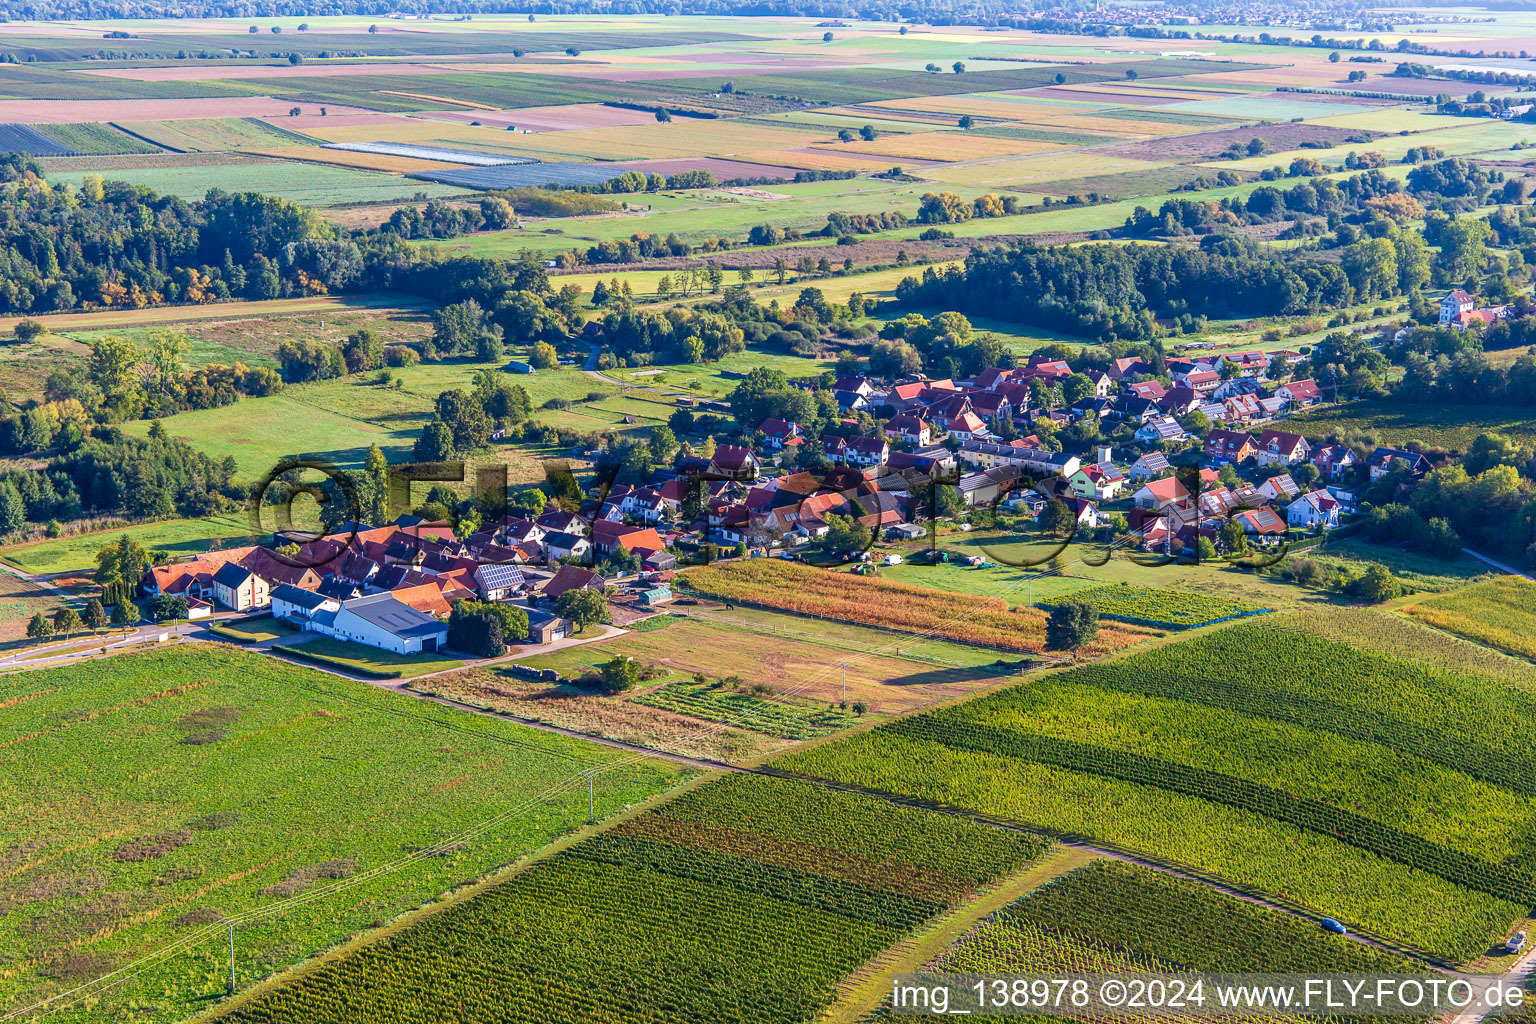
(498, 582)
(1317, 509)
(1279, 488)
(1149, 467)
(1281, 446)
(296, 605)
(237, 587)
(867, 451)
(1454, 305)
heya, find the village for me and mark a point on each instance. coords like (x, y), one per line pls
(1205, 469)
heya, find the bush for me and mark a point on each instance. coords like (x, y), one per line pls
(400, 355)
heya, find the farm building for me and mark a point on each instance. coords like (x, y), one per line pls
(382, 621)
(296, 605)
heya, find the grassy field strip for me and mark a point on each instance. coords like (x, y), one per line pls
(827, 639)
(869, 987)
(107, 319)
(78, 553)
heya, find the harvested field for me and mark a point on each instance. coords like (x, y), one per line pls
(1207, 145)
(723, 170)
(571, 117)
(942, 146)
(800, 658)
(79, 111)
(251, 71)
(820, 160)
(1089, 94)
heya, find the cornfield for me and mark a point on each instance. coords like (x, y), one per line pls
(967, 618)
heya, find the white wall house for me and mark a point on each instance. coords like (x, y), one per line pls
(382, 621)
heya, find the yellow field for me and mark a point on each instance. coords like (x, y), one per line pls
(942, 146)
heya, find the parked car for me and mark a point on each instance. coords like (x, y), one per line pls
(1515, 943)
(1330, 925)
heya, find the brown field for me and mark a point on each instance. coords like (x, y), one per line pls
(108, 319)
(1293, 76)
(802, 669)
(19, 601)
(351, 120)
(78, 111)
(941, 146)
(1206, 145)
(1042, 168)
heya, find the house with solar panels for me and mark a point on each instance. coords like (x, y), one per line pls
(499, 582)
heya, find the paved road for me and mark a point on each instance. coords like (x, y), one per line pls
(1511, 570)
(1520, 973)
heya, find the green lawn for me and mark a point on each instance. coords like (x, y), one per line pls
(144, 796)
(176, 536)
(338, 419)
(369, 661)
(253, 630)
(309, 184)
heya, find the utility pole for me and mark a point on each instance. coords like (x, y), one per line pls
(845, 683)
(231, 958)
(591, 798)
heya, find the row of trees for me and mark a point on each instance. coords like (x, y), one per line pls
(111, 244)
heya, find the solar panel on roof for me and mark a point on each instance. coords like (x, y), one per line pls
(501, 576)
